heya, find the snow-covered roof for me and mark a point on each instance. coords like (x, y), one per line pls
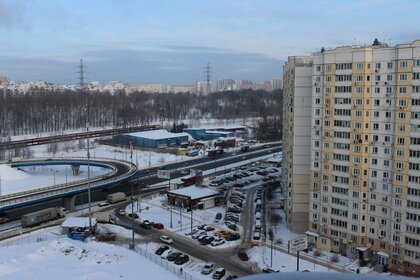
(383, 254)
(275, 159)
(158, 134)
(362, 248)
(81, 222)
(195, 192)
(311, 233)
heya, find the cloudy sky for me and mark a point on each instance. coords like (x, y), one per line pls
(170, 41)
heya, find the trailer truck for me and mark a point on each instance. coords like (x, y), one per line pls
(115, 197)
(103, 217)
(38, 217)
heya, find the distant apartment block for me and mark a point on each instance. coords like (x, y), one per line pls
(364, 181)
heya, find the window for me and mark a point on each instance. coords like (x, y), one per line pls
(359, 66)
(416, 62)
(416, 76)
(403, 89)
(403, 77)
(403, 63)
(389, 65)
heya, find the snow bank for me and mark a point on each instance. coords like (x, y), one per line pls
(8, 173)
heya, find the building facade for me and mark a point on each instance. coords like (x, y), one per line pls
(297, 98)
(364, 194)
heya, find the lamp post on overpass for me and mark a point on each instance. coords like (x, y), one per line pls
(88, 166)
(132, 201)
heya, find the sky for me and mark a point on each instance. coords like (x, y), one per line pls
(158, 41)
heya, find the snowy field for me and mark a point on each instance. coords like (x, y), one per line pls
(46, 254)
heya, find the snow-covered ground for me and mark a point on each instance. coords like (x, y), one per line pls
(46, 254)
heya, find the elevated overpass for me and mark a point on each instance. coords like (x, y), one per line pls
(119, 172)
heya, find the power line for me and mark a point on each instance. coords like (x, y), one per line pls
(81, 73)
(207, 76)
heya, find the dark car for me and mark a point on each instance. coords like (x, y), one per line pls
(161, 249)
(243, 256)
(106, 236)
(4, 220)
(173, 256)
(158, 226)
(207, 240)
(181, 259)
(202, 226)
(232, 226)
(135, 215)
(230, 277)
(146, 224)
(234, 210)
(233, 236)
(219, 273)
(219, 216)
(269, 270)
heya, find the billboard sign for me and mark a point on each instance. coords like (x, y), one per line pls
(298, 244)
(164, 174)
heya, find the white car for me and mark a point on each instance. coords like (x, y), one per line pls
(217, 242)
(208, 268)
(166, 254)
(198, 233)
(184, 172)
(166, 239)
(121, 212)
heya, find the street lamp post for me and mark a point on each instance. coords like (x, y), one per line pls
(88, 166)
(132, 201)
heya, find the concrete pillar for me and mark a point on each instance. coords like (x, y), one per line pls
(69, 202)
(75, 168)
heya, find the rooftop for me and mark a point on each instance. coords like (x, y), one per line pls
(157, 134)
(195, 192)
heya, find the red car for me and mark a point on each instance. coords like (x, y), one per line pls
(106, 236)
(158, 226)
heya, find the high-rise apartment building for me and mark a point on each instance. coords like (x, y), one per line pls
(297, 98)
(364, 189)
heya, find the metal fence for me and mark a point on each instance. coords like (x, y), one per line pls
(169, 266)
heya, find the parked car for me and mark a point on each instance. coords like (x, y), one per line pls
(4, 220)
(198, 233)
(158, 226)
(184, 172)
(103, 204)
(208, 268)
(161, 249)
(219, 273)
(121, 212)
(217, 242)
(192, 232)
(207, 240)
(230, 277)
(172, 256)
(223, 233)
(166, 253)
(202, 226)
(201, 238)
(234, 210)
(182, 259)
(256, 235)
(166, 239)
(233, 236)
(146, 224)
(209, 228)
(135, 215)
(270, 270)
(243, 256)
(106, 236)
(232, 226)
(219, 216)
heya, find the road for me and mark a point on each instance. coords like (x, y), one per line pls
(224, 257)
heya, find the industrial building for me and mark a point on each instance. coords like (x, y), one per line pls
(215, 132)
(199, 197)
(363, 187)
(152, 139)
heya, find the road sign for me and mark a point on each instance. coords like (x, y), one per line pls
(297, 245)
(164, 174)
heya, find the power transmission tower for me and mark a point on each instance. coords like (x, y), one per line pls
(207, 77)
(81, 73)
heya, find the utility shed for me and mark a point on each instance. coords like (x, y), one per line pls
(202, 197)
(77, 224)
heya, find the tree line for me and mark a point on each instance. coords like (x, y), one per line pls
(55, 111)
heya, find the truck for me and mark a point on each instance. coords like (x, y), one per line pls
(38, 217)
(115, 197)
(103, 217)
(214, 152)
(192, 153)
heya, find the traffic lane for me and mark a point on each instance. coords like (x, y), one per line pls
(222, 257)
